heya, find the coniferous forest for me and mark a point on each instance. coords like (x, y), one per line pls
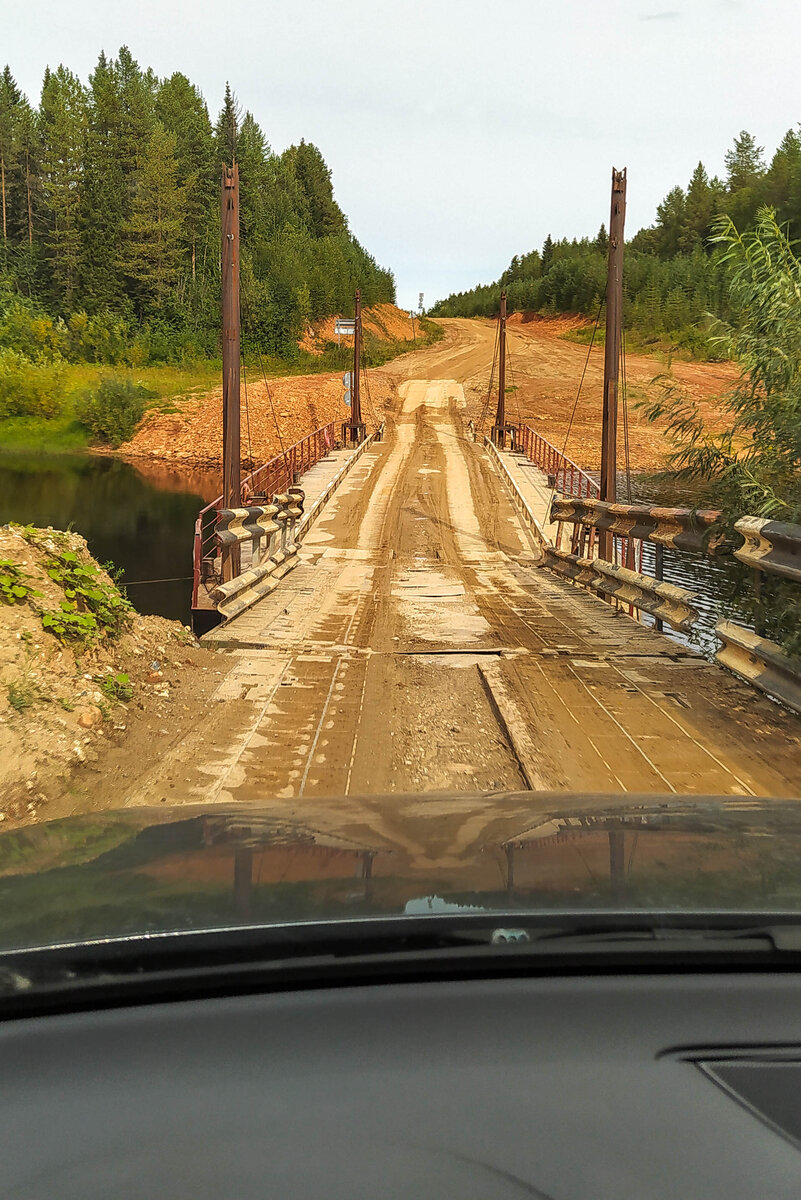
(109, 192)
(674, 279)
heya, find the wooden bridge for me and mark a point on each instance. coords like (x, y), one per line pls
(420, 646)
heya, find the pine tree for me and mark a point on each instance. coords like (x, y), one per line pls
(105, 199)
(227, 128)
(151, 257)
(744, 163)
(183, 113)
(700, 211)
(63, 122)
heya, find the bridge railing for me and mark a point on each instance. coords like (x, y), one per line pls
(567, 477)
(277, 475)
(771, 547)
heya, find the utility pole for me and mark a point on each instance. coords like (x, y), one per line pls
(499, 429)
(229, 266)
(354, 430)
(614, 330)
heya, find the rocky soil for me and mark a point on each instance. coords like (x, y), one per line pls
(66, 705)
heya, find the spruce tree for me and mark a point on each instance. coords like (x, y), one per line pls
(151, 255)
(63, 123)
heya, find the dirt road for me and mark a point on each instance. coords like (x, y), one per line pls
(545, 370)
(418, 649)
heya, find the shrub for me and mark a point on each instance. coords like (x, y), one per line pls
(114, 409)
(21, 694)
(27, 388)
(86, 592)
(14, 588)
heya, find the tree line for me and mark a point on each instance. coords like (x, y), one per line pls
(109, 199)
(675, 282)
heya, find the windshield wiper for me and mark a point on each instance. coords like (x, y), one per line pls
(147, 968)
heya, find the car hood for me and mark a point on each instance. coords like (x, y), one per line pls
(190, 867)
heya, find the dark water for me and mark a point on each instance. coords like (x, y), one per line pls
(142, 521)
(711, 580)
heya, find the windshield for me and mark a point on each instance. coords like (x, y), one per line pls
(400, 464)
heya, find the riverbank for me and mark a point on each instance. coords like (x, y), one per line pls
(388, 333)
(85, 682)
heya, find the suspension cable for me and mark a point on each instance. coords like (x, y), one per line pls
(247, 409)
(626, 448)
(578, 393)
(485, 409)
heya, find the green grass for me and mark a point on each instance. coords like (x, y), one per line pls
(64, 433)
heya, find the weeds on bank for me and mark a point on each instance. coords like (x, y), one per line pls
(14, 588)
(21, 694)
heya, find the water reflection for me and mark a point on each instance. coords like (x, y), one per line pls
(141, 524)
(115, 874)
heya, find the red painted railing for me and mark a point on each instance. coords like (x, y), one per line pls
(274, 476)
(568, 477)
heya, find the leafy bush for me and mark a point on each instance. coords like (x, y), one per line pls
(13, 586)
(69, 625)
(753, 465)
(91, 606)
(117, 687)
(21, 694)
(114, 409)
(29, 388)
(101, 338)
(30, 331)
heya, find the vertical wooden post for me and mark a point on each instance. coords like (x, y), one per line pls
(356, 400)
(229, 269)
(614, 326)
(499, 432)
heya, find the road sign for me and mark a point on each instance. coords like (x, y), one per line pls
(347, 397)
(347, 380)
(343, 326)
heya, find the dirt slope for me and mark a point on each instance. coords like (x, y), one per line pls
(66, 706)
(544, 368)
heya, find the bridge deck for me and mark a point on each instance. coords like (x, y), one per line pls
(418, 647)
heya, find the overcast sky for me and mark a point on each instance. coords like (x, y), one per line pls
(461, 132)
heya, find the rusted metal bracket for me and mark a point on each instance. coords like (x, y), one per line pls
(681, 528)
(761, 662)
(668, 603)
(773, 546)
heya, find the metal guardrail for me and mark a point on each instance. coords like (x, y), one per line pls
(563, 474)
(665, 601)
(760, 662)
(772, 546)
(517, 496)
(311, 516)
(272, 528)
(274, 476)
(681, 528)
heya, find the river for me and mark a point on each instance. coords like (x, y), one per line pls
(139, 518)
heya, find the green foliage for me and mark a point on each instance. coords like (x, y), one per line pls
(111, 206)
(69, 625)
(28, 388)
(113, 410)
(14, 586)
(91, 606)
(754, 465)
(116, 687)
(21, 694)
